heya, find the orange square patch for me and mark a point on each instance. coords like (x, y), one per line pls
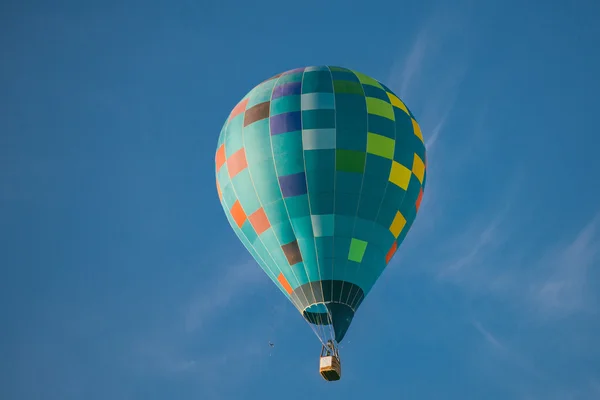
(236, 163)
(259, 221)
(238, 214)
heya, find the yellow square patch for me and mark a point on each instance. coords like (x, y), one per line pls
(417, 130)
(396, 102)
(397, 224)
(399, 175)
(418, 168)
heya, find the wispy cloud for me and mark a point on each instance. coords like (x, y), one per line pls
(488, 336)
(414, 60)
(481, 237)
(428, 76)
(481, 255)
(490, 258)
(508, 353)
(430, 91)
(233, 285)
(551, 280)
(563, 290)
(170, 350)
(475, 242)
(435, 132)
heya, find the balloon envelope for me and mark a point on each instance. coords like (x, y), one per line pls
(321, 171)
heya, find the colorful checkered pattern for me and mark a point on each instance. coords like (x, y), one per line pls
(321, 171)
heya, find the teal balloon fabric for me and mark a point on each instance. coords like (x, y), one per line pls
(320, 172)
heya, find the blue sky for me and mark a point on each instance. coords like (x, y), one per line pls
(113, 243)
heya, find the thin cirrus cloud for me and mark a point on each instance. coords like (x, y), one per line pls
(169, 350)
(428, 89)
(429, 78)
(554, 285)
(510, 355)
(563, 286)
(237, 281)
(519, 288)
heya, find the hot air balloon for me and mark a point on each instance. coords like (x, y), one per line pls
(321, 171)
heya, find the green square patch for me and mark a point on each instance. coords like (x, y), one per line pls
(341, 69)
(357, 250)
(348, 87)
(380, 145)
(344, 76)
(380, 107)
(350, 161)
(367, 80)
